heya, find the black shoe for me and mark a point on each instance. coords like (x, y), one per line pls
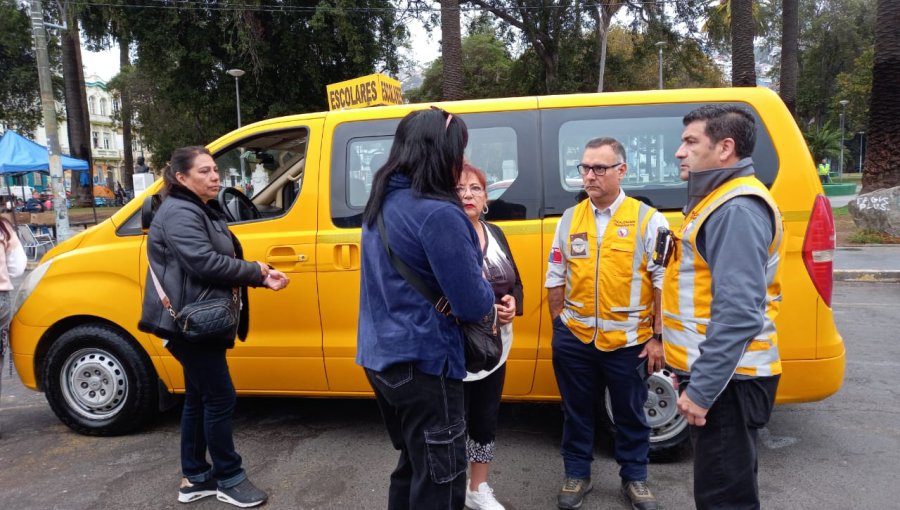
(638, 494)
(244, 495)
(571, 496)
(190, 491)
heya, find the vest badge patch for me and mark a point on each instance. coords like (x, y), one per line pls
(622, 232)
(578, 246)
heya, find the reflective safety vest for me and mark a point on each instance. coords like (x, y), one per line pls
(609, 293)
(824, 168)
(687, 288)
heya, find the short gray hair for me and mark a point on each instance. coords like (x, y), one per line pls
(614, 144)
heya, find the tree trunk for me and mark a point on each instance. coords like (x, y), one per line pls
(743, 63)
(790, 40)
(451, 51)
(882, 165)
(78, 121)
(602, 37)
(125, 112)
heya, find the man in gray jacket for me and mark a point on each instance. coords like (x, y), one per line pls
(721, 294)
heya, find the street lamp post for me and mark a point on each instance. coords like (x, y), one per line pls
(237, 73)
(862, 135)
(660, 45)
(843, 103)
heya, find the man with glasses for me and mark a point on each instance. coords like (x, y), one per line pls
(604, 297)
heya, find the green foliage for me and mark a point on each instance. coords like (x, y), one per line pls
(824, 142)
(866, 236)
(855, 85)
(20, 96)
(833, 34)
(178, 83)
(486, 71)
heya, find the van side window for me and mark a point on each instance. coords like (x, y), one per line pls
(651, 134)
(266, 169)
(498, 145)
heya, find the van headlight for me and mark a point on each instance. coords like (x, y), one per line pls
(31, 281)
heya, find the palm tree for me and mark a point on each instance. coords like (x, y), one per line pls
(718, 23)
(77, 115)
(790, 50)
(823, 142)
(882, 167)
(743, 62)
(451, 51)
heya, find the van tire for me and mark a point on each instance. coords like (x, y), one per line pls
(669, 432)
(99, 382)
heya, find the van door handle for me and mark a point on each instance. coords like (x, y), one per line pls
(287, 259)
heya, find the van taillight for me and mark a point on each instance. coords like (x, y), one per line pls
(818, 247)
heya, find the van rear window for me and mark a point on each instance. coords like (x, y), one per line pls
(650, 134)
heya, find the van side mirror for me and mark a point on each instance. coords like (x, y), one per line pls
(148, 209)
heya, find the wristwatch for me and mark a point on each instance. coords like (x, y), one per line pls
(657, 336)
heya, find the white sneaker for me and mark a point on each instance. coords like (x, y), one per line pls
(483, 499)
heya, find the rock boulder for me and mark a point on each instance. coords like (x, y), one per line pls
(878, 211)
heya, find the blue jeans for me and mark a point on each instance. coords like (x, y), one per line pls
(582, 371)
(725, 461)
(424, 416)
(206, 420)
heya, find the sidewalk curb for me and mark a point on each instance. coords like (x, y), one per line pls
(866, 275)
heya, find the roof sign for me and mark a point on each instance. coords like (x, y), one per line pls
(372, 90)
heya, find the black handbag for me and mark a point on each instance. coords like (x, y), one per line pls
(483, 345)
(205, 319)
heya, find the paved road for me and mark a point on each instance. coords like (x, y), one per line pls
(334, 454)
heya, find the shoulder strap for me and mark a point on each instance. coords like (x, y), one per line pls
(440, 302)
(159, 290)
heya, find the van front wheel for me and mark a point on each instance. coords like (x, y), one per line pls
(98, 382)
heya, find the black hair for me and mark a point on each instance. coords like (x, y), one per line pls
(429, 149)
(181, 162)
(727, 121)
(613, 144)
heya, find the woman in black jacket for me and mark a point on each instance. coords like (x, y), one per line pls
(483, 389)
(190, 250)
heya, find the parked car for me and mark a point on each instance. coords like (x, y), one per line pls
(75, 337)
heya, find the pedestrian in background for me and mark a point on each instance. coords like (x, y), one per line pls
(722, 295)
(604, 294)
(12, 264)
(412, 353)
(192, 254)
(483, 389)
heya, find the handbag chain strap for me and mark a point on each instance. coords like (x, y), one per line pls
(440, 302)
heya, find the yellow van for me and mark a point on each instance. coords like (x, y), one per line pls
(74, 333)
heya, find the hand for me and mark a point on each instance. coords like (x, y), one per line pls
(655, 354)
(506, 310)
(263, 269)
(276, 280)
(694, 414)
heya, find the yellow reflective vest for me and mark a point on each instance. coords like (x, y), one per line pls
(824, 168)
(609, 293)
(687, 288)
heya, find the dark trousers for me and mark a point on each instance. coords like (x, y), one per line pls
(424, 417)
(725, 460)
(206, 420)
(482, 410)
(582, 371)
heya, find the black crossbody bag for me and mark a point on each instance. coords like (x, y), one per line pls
(205, 319)
(483, 345)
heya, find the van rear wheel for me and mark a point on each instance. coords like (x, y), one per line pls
(668, 430)
(98, 382)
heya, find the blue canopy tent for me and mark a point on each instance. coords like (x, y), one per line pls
(19, 156)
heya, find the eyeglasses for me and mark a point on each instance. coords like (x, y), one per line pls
(599, 170)
(474, 189)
